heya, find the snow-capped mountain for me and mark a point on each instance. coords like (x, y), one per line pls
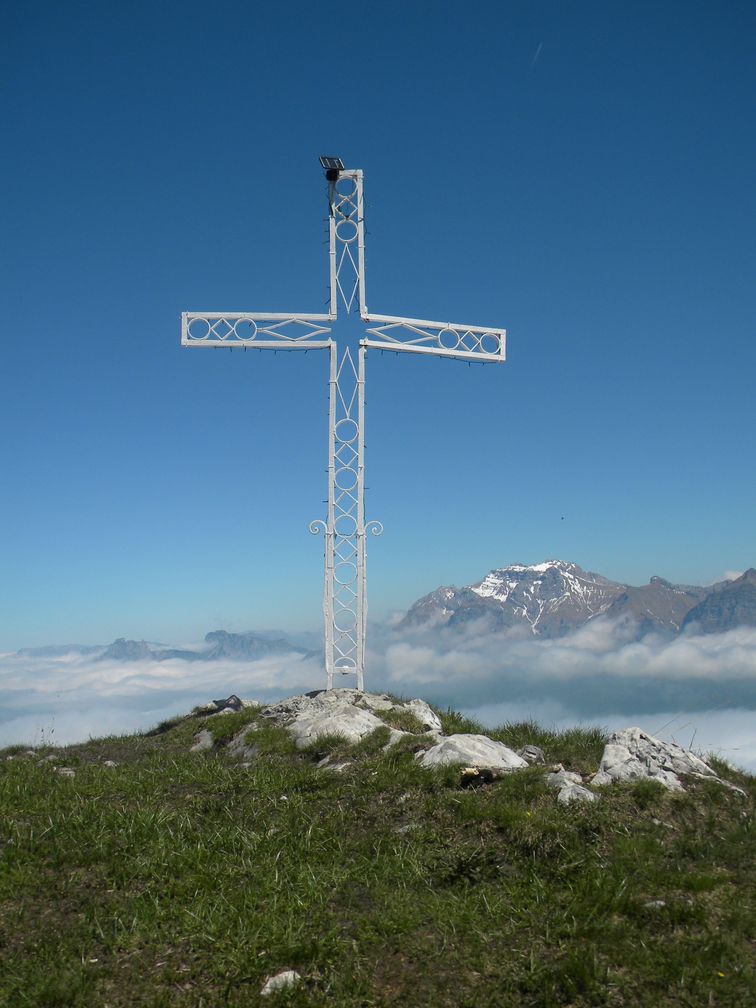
(551, 598)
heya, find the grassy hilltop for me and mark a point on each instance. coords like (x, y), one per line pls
(185, 879)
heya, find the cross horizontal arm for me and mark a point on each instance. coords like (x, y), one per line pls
(443, 339)
(264, 330)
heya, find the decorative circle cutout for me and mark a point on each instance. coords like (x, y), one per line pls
(345, 525)
(346, 430)
(245, 329)
(345, 621)
(195, 328)
(489, 343)
(346, 230)
(346, 186)
(345, 573)
(448, 339)
(345, 479)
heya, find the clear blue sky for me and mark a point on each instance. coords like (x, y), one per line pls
(579, 173)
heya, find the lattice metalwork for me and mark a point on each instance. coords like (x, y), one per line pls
(443, 339)
(346, 234)
(345, 529)
(253, 329)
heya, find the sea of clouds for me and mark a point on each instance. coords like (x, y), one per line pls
(699, 690)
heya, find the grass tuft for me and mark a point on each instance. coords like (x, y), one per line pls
(402, 720)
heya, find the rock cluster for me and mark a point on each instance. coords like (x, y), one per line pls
(346, 712)
(629, 755)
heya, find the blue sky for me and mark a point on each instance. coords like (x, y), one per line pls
(578, 173)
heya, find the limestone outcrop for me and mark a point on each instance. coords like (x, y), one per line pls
(632, 755)
(344, 712)
(477, 751)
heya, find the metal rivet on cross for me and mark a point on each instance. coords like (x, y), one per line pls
(345, 528)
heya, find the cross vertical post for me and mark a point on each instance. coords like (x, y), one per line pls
(345, 528)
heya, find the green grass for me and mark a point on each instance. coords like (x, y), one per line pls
(183, 879)
(403, 720)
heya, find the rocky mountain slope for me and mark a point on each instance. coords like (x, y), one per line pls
(732, 604)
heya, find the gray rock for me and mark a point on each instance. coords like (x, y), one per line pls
(281, 981)
(239, 748)
(654, 904)
(395, 735)
(631, 755)
(472, 751)
(110, 763)
(229, 705)
(532, 754)
(325, 712)
(202, 740)
(352, 723)
(328, 763)
(375, 702)
(570, 792)
(65, 771)
(558, 777)
(570, 785)
(424, 713)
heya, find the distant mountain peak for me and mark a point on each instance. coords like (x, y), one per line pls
(550, 598)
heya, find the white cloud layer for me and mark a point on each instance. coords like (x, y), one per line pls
(699, 687)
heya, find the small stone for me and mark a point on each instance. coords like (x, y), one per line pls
(654, 904)
(425, 714)
(407, 828)
(559, 777)
(65, 771)
(570, 792)
(238, 747)
(327, 764)
(202, 740)
(110, 763)
(288, 978)
(376, 703)
(395, 735)
(532, 754)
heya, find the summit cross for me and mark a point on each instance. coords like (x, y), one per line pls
(344, 528)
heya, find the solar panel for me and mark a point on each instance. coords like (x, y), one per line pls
(334, 163)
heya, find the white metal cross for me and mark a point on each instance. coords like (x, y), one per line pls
(345, 528)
